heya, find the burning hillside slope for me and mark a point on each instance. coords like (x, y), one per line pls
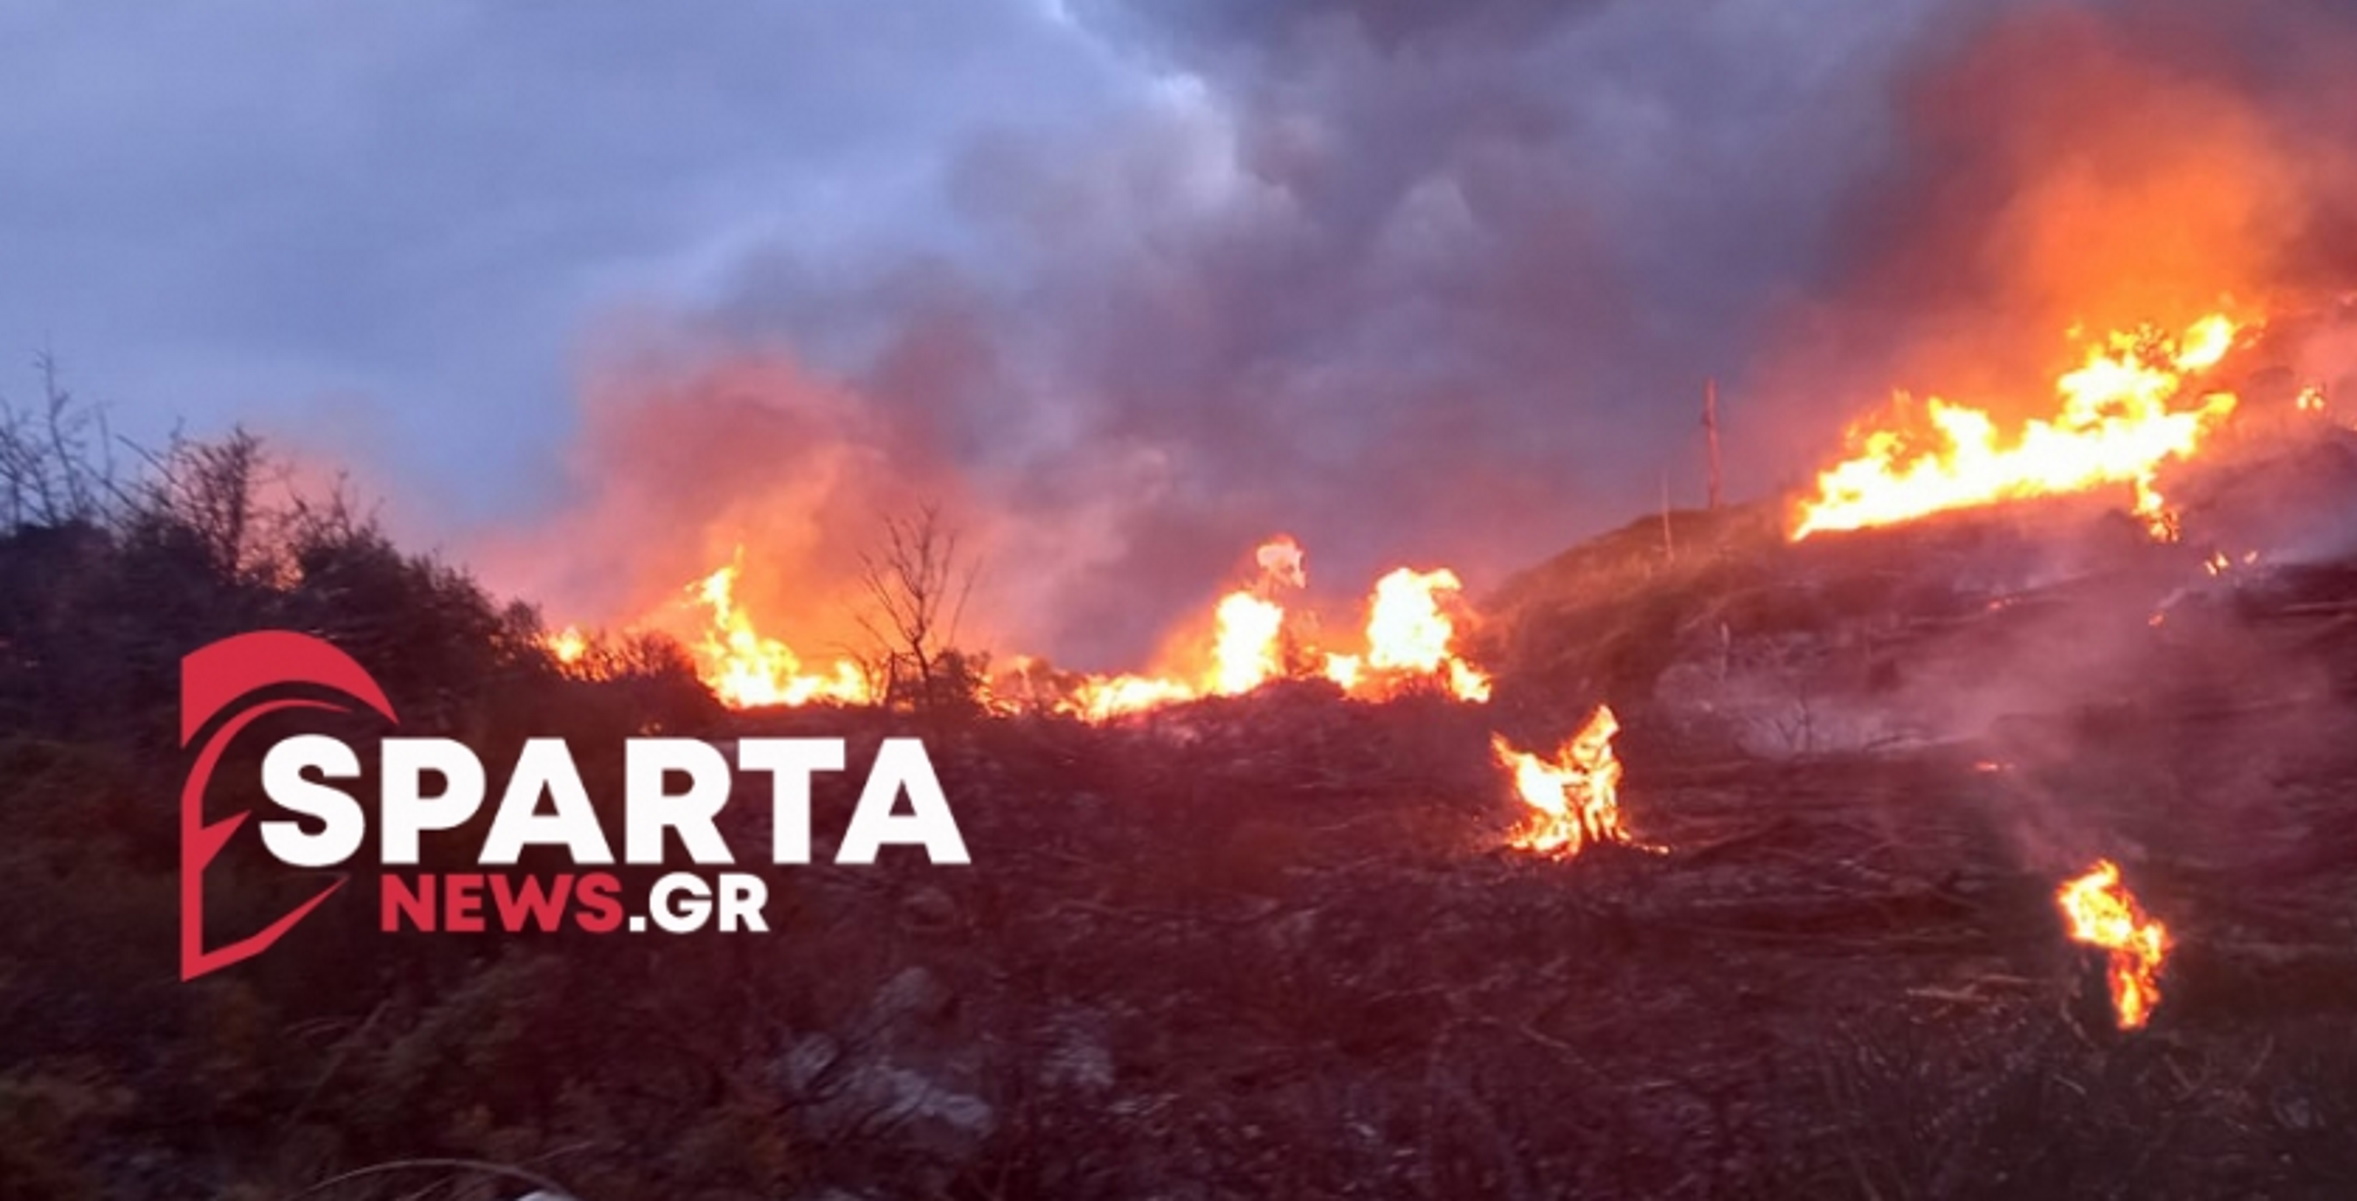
(1870, 963)
(1257, 634)
(1928, 630)
(2130, 408)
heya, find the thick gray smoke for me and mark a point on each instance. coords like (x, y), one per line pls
(1436, 284)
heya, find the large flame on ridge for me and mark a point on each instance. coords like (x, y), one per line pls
(746, 668)
(2101, 912)
(2125, 412)
(1574, 795)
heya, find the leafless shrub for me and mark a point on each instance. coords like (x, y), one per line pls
(56, 457)
(916, 583)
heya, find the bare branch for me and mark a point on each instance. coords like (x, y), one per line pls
(917, 583)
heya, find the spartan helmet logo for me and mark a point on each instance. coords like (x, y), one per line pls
(213, 680)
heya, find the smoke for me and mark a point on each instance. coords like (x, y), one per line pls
(681, 461)
(2081, 167)
(1440, 284)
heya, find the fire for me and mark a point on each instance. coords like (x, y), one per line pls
(1410, 642)
(2102, 913)
(1575, 796)
(568, 646)
(1101, 698)
(1409, 635)
(2124, 413)
(746, 668)
(1247, 645)
(1245, 652)
(2219, 562)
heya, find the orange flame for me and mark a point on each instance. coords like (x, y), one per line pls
(2102, 913)
(1245, 652)
(1247, 645)
(568, 646)
(1575, 796)
(2121, 420)
(1410, 639)
(1409, 636)
(746, 668)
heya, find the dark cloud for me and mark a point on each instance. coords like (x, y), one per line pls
(1136, 282)
(1425, 283)
(2078, 165)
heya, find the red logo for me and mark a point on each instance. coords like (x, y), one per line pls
(212, 681)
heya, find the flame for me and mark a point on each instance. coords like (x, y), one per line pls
(2102, 913)
(746, 668)
(1347, 671)
(567, 646)
(1102, 698)
(1409, 637)
(1410, 642)
(2219, 562)
(1575, 796)
(1245, 652)
(1247, 646)
(2120, 421)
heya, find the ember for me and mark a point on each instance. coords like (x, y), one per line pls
(2102, 913)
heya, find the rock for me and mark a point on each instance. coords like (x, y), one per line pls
(912, 1119)
(1077, 1058)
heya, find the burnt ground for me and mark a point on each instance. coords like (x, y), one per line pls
(1275, 946)
(1283, 954)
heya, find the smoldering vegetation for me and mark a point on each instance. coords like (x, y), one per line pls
(1271, 945)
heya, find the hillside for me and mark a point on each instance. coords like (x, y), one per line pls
(1277, 944)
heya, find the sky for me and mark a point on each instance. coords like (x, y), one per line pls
(1133, 282)
(390, 230)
